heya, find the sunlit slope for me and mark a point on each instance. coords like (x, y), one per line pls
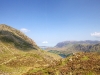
(19, 53)
(76, 64)
(17, 38)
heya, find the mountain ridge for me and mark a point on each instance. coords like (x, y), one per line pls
(65, 43)
(69, 47)
(12, 35)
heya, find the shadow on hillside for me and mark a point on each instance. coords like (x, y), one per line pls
(19, 43)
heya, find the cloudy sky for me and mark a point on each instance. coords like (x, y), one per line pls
(48, 22)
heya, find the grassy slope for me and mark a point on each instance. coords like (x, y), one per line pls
(78, 64)
(17, 62)
(18, 53)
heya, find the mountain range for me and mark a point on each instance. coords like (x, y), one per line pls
(68, 47)
(66, 43)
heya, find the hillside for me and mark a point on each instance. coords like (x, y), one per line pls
(16, 37)
(69, 43)
(19, 53)
(76, 64)
(63, 49)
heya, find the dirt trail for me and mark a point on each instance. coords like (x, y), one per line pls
(8, 61)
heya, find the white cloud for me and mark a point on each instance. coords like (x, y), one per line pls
(24, 30)
(95, 34)
(45, 42)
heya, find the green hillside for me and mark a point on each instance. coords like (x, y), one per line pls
(76, 64)
(16, 38)
(19, 53)
(69, 49)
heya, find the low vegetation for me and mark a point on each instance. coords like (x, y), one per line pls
(77, 64)
(19, 55)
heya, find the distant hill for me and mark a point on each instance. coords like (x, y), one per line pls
(43, 47)
(66, 43)
(68, 47)
(19, 53)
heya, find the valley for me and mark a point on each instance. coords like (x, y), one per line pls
(19, 55)
(69, 47)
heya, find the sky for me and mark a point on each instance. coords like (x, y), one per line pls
(49, 22)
